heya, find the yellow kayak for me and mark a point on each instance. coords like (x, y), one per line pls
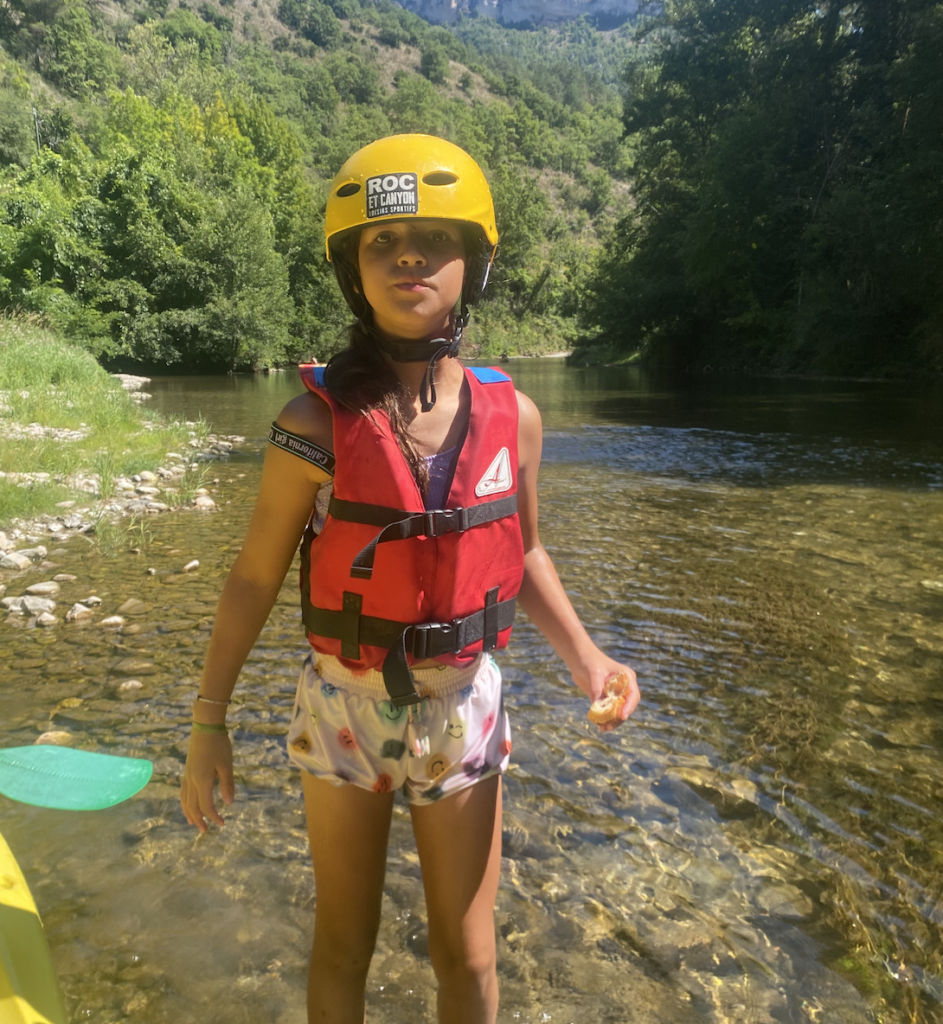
(28, 990)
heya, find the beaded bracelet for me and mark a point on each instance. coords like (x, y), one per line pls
(201, 727)
(209, 700)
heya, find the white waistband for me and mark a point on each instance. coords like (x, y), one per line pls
(435, 681)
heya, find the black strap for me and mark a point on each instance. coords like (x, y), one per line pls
(397, 524)
(301, 447)
(421, 640)
(350, 625)
(490, 637)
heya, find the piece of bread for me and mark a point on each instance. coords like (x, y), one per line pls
(609, 706)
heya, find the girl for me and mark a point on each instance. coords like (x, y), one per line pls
(422, 478)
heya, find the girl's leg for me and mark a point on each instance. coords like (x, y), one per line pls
(348, 829)
(459, 843)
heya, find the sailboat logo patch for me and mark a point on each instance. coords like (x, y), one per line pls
(497, 476)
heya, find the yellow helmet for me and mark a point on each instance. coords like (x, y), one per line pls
(407, 176)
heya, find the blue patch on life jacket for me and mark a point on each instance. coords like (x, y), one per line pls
(319, 375)
(489, 374)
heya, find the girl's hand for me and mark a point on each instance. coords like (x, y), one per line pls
(591, 677)
(209, 756)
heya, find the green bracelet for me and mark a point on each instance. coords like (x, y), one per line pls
(200, 727)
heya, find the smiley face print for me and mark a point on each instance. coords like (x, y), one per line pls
(383, 784)
(389, 712)
(456, 729)
(301, 743)
(346, 739)
(438, 764)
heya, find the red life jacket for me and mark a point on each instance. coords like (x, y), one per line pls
(387, 583)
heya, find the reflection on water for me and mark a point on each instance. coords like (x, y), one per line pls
(761, 843)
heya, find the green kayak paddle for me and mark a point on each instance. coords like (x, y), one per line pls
(70, 780)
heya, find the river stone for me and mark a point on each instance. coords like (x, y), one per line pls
(47, 589)
(156, 506)
(54, 527)
(204, 501)
(135, 667)
(46, 620)
(92, 601)
(34, 554)
(936, 585)
(55, 738)
(64, 577)
(190, 566)
(147, 476)
(113, 621)
(78, 612)
(3, 589)
(134, 606)
(149, 492)
(176, 626)
(130, 686)
(5, 544)
(15, 560)
(28, 605)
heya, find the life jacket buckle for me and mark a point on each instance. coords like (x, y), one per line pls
(438, 522)
(430, 639)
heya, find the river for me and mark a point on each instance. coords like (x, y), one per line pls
(763, 842)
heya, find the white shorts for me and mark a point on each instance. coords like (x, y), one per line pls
(346, 730)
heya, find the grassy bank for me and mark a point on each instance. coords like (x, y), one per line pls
(62, 415)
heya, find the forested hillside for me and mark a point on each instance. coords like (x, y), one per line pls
(734, 184)
(788, 189)
(163, 167)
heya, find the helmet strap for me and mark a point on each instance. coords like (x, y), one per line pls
(417, 352)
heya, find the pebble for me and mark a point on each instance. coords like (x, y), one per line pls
(92, 601)
(46, 620)
(190, 566)
(64, 577)
(150, 492)
(34, 554)
(135, 667)
(5, 544)
(55, 738)
(3, 589)
(936, 585)
(130, 685)
(113, 621)
(28, 605)
(15, 560)
(147, 476)
(204, 501)
(133, 606)
(78, 612)
(47, 589)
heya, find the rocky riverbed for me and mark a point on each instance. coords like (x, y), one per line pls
(28, 593)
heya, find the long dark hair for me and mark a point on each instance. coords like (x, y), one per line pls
(361, 379)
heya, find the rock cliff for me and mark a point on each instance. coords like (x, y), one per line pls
(607, 13)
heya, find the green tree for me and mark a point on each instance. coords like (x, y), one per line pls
(434, 64)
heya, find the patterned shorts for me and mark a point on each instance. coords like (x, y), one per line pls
(346, 731)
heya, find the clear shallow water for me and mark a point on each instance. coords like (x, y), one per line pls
(761, 843)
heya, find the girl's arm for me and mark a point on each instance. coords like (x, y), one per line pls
(542, 595)
(286, 496)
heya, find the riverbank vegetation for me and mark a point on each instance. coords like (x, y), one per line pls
(64, 418)
(164, 166)
(788, 201)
